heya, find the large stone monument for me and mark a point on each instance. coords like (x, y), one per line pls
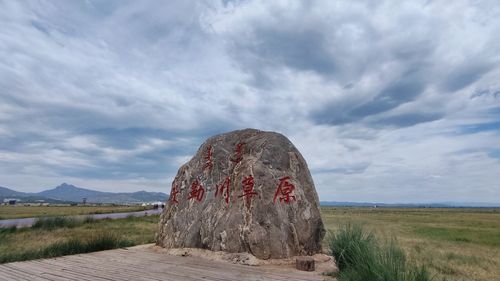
(244, 191)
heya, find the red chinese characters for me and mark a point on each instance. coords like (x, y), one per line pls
(173, 194)
(238, 153)
(223, 189)
(248, 191)
(197, 191)
(284, 191)
(208, 158)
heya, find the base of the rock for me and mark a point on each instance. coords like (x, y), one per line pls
(323, 263)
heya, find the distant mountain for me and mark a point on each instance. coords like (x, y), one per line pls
(6, 192)
(69, 193)
(412, 205)
(147, 196)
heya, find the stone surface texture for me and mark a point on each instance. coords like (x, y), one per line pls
(207, 208)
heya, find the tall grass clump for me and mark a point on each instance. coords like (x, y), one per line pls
(360, 257)
(6, 230)
(99, 242)
(89, 219)
(55, 222)
(50, 223)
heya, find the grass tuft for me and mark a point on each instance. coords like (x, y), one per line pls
(360, 257)
(349, 245)
(89, 219)
(50, 223)
(10, 229)
(54, 222)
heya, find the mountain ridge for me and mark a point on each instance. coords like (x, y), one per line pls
(70, 193)
(447, 204)
(65, 193)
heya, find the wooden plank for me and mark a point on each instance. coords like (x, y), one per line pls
(34, 274)
(226, 268)
(109, 270)
(47, 270)
(10, 273)
(151, 273)
(6, 274)
(217, 266)
(74, 271)
(212, 270)
(145, 264)
(159, 267)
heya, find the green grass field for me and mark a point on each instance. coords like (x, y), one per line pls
(15, 212)
(458, 244)
(28, 243)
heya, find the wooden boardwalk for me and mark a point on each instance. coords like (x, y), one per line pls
(142, 263)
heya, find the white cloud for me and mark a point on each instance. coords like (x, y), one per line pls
(388, 101)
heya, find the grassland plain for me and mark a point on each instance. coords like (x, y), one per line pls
(15, 212)
(27, 243)
(458, 244)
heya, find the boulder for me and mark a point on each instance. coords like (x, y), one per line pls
(244, 191)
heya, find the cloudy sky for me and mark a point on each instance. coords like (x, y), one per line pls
(395, 101)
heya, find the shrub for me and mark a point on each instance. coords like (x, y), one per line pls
(360, 257)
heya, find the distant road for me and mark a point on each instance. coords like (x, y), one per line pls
(28, 222)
